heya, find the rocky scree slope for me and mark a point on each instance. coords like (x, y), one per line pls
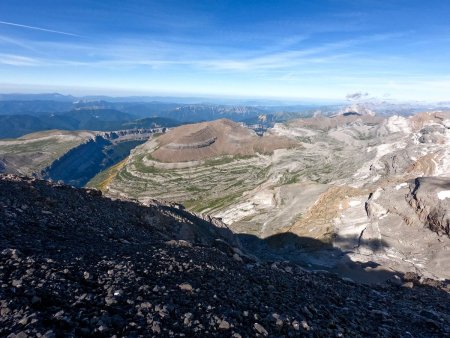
(73, 263)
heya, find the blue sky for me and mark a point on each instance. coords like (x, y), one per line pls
(397, 49)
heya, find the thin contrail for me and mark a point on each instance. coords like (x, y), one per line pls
(36, 28)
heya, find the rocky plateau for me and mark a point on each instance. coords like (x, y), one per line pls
(373, 187)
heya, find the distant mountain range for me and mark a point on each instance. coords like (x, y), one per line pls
(164, 99)
(21, 114)
(93, 119)
(25, 113)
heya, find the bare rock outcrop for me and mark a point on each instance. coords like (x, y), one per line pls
(432, 134)
(430, 199)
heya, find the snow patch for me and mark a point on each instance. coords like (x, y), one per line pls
(354, 203)
(442, 195)
(401, 185)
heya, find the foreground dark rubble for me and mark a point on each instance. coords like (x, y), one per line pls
(73, 263)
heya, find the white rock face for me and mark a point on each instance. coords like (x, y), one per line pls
(291, 132)
(443, 166)
(257, 203)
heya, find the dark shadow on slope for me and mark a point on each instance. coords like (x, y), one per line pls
(82, 163)
(313, 254)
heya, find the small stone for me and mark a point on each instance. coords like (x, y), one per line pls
(103, 328)
(395, 280)
(224, 325)
(17, 283)
(35, 300)
(237, 258)
(23, 321)
(156, 328)
(59, 314)
(408, 285)
(110, 300)
(305, 325)
(260, 329)
(188, 319)
(186, 287)
(4, 311)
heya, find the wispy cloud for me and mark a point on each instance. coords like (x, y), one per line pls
(18, 60)
(159, 54)
(16, 42)
(37, 28)
(326, 52)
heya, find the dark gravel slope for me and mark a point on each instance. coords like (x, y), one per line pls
(73, 263)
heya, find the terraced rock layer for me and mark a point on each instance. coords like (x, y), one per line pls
(201, 141)
(206, 166)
